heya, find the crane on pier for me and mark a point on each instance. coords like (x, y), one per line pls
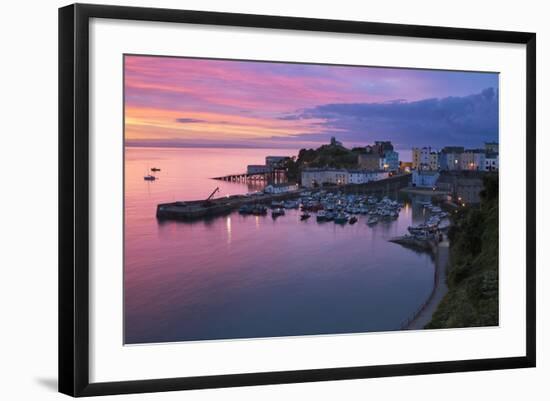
(207, 200)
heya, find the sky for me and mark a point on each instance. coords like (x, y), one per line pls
(173, 101)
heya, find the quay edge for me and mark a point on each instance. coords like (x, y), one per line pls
(193, 210)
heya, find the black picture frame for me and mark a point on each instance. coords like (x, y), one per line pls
(74, 198)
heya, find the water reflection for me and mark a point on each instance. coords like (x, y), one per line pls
(228, 227)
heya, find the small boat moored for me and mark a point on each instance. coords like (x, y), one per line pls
(341, 218)
(372, 220)
(259, 210)
(291, 204)
(246, 209)
(322, 216)
(277, 212)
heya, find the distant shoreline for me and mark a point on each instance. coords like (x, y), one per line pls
(155, 146)
(296, 149)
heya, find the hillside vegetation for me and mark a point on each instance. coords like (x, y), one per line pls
(334, 156)
(472, 300)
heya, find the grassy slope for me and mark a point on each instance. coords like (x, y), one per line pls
(472, 278)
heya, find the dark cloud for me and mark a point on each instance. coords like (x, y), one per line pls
(185, 120)
(468, 121)
(291, 117)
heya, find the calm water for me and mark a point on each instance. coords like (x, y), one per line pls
(248, 276)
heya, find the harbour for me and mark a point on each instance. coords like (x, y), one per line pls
(189, 210)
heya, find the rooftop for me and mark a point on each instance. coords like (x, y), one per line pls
(314, 169)
(364, 171)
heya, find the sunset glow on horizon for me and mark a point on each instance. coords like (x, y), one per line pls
(172, 101)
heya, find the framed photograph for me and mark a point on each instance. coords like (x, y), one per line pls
(251, 199)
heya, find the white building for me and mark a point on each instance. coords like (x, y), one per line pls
(450, 158)
(280, 188)
(421, 158)
(434, 161)
(319, 177)
(472, 159)
(364, 176)
(424, 179)
(491, 162)
(390, 161)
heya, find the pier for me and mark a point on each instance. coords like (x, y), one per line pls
(275, 175)
(193, 210)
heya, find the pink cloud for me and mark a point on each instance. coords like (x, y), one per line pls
(238, 98)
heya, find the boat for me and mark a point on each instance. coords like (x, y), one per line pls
(372, 220)
(312, 207)
(259, 210)
(305, 216)
(155, 169)
(353, 220)
(149, 177)
(245, 209)
(421, 229)
(322, 216)
(341, 218)
(277, 212)
(433, 221)
(291, 204)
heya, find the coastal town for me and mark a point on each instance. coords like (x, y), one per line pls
(454, 173)
(453, 170)
(340, 184)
